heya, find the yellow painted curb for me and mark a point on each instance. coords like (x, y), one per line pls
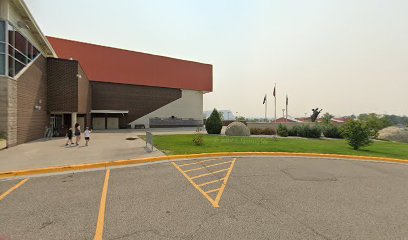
(38, 171)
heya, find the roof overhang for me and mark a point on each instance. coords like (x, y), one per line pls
(111, 111)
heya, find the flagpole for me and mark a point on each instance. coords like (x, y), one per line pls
(286, 107)
(266, 106)
(275, 100)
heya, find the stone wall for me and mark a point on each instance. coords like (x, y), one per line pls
(3, 105)
(8, 109)
(263, 125)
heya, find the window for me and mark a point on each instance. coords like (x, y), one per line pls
(14, 48)
(2, 48)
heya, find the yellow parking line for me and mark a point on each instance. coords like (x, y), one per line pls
(206, 174)
(188, 164)
(214, 190)
(218, 198)
(102, 207)
(212, 165)
(195, 185)
(2, 196)
(208, 183)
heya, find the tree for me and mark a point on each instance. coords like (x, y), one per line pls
(327, 117)
(357, 134)
(213, 125)
(282, 130)
(374, 122)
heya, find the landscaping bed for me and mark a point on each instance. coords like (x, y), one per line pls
(183, 144)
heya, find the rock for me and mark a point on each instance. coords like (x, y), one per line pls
(237, 129)
(394, 134)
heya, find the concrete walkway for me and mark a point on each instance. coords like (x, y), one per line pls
(104, 146)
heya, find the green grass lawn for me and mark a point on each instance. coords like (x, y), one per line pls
(183, 144)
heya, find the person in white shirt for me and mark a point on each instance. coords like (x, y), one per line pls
(87, 134)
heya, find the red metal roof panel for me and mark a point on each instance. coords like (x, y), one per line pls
(107, 64)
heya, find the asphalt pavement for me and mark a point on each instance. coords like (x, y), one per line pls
(214, 198)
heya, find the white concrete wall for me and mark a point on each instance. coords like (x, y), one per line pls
(190, 105)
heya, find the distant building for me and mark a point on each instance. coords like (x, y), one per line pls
(227, 115)
(285, 120)
(336, 120)
(304, 119)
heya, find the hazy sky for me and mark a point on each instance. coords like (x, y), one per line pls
(345, 56)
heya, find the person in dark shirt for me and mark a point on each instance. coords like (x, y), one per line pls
(69, 136)
(77, 133)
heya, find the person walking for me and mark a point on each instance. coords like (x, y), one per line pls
(87, 134)
(77, 133)
(69, 137)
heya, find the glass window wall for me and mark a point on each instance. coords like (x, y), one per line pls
(15, 48)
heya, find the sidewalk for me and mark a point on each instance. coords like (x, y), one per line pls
(104, 146)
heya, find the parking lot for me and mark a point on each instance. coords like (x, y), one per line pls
(212, 198)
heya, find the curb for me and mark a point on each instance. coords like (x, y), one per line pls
(38, 171)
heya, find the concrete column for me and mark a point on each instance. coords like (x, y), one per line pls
(73, 120)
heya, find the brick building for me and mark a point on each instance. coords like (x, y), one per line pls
(59, 82)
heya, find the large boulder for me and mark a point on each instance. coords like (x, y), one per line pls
(396, 134)
(237, 129)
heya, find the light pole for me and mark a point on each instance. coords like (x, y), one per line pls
(283, 112)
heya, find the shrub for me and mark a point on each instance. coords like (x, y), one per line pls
(198, 139)
(374, 123)
(314, 132)
(213, 125)
(293, 131)
(331, 131)
(357, 134)
(309, 132)
(268, 131)
(303, 130)
(256, 131)
(2, 135)
(282, 130)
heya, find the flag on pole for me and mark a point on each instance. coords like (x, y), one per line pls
(264, 101)
(274, 91)
(287, 100)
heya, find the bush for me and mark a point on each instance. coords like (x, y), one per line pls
(256, 131)
(309, 132)
(293, 131)
(268, 131)
(303, 131)
(374, 123)
(264, 131)
(331, 131)
(314, 132)
(213, 125)
(198, 139)
(357, 134)
(282, 130)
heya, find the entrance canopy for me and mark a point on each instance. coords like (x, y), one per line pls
(110, 111)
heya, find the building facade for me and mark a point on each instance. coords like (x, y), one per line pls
(48, 81)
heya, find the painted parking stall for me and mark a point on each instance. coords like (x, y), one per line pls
(209, 198)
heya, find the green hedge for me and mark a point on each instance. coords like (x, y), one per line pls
(282, 130)
(331, 131)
